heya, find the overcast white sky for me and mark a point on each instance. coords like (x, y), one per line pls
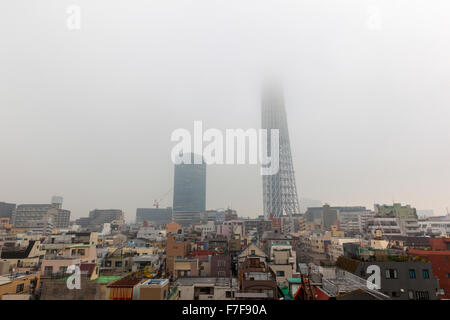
(87, 114)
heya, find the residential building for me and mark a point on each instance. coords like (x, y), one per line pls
(337, 247)
(207, 288)
(176, 248)
(17, 286)
(439, 257)
(154, 289)
(404, 280)
(256, 280)
(220, 266)
(396, 211)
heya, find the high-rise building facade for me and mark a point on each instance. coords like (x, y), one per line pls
(189, 189)
(27, 215)
(7, 210)
(279, 190)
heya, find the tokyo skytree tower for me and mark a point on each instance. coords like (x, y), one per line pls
(279, 190)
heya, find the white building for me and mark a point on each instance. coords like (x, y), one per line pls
(204, 288)
(388, 226)
(436, 226)
(150, 233)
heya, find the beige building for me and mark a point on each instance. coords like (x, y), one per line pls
(22, 259)
(203, 288)
(318, 242)
(18, 286)
(154, 289)
(185, 267)
(283, 263)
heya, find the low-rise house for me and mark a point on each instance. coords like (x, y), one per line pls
(207, 288)
(53, 264)
(185, 267)
(19, 286)
(257, 280)
(283, 263)
(252, 251)
(221, 266)
(154, 289)
(123, 289)
(23, 259)
(87, 253)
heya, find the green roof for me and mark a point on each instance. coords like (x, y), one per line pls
(294, 280)
(285, 290)
(106, 279)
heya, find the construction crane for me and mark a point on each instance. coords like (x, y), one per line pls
(156, 202)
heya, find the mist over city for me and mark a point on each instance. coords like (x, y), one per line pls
(224, 150)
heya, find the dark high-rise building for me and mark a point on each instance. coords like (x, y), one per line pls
(189, 189)
(101, 216)
(7, 210)
(279, 190)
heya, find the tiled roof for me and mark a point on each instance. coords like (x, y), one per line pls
(124, 283)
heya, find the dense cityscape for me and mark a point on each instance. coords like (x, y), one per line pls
(187, 252)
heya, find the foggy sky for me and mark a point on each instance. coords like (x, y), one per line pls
(87, 114)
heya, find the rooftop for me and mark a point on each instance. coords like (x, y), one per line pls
(124, 283)
(222, 282)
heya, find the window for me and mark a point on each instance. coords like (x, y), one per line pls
(422, 295)
(63, 269)
(118, 264)
(391, 274)
(426, 274)
(19, 288)
(410, 294)
(280, 273)
(221, 263)
(48, 270)
(412, 273)
(221, 274)
(228, 294)
(447, 275)
(253, 252)
(108, 263)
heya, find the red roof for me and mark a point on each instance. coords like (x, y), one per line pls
(202, 253)
(87, 267)
(124, 283)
